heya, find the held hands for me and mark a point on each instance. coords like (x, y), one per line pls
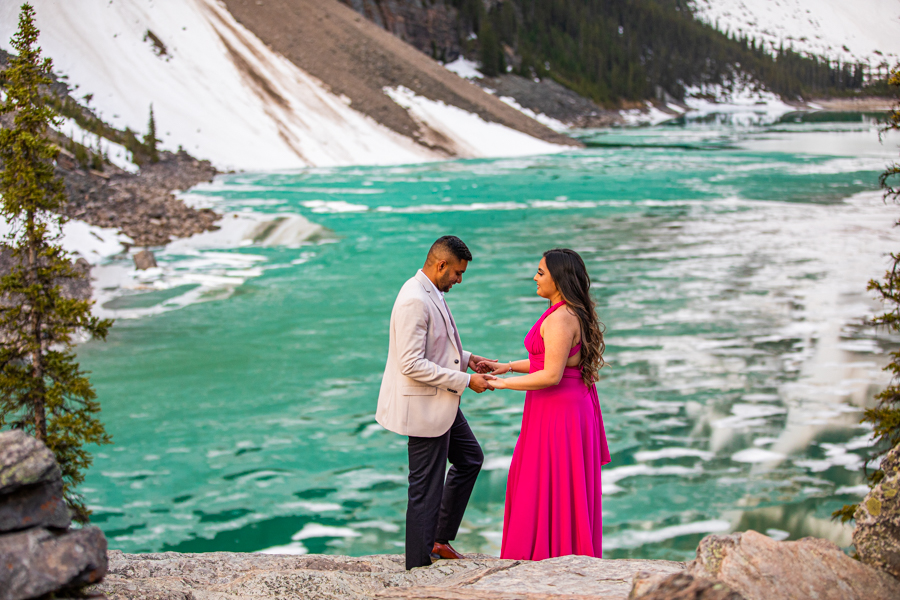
(493, 367)
(479, 383)
(486, 370)
(475, 361)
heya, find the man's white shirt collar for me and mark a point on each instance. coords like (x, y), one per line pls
(434, 287)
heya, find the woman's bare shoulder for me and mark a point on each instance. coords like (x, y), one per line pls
(563, 319)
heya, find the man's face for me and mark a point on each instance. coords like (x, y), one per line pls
(449, 273)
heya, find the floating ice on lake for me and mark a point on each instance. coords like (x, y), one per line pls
(757, 455)
(334, 206)
(497, 463)
(315, 507)
(636, 537)
(294, 548)
(315, 530)
(648, 455)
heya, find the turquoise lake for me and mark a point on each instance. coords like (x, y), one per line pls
(729, 264)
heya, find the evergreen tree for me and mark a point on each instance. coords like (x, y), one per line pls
(492, 62)
(885, 417)
(150, 140)
(42, 389)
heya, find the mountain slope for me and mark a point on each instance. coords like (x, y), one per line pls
(615, 52)
(223, 94)
(865, 31)
(358, 59)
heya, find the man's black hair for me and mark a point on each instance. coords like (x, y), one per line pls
(453, 245)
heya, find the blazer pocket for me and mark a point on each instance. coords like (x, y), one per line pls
(418, 391)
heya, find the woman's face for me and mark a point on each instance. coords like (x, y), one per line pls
(546, 288)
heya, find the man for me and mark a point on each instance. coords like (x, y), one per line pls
(423, 381)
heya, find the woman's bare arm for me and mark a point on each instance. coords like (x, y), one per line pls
(559, 332)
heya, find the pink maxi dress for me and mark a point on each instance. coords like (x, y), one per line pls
(553, 504)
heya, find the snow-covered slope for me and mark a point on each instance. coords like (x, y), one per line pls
(849, 30)
(216, 89)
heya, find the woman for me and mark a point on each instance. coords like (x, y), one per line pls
(553, 490)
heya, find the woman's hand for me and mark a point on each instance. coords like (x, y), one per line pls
(493, 367)
(498, 384)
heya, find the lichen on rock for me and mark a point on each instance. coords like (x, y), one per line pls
(877, 533)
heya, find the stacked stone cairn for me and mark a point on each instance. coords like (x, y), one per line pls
(40, 554)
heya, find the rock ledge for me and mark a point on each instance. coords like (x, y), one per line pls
(233, 576)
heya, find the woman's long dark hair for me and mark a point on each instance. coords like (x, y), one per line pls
(572, 280)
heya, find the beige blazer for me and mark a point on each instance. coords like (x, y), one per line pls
(426, 366)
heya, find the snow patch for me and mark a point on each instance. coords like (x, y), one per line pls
(466, 69)
(554, 124)
(859, 31)
(218, 91)
(82, 240)
(744, 100)
(116, 153)
(473, 136)
(93, 243)
(649, 116)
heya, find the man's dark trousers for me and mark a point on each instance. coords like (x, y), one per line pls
(435, 509)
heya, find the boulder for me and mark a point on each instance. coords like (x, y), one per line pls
(877, 533)
(759, 568)
(679, 586)
(30, 485)
(144, 260)
(37, 561)
(39, 505)
(24, 461)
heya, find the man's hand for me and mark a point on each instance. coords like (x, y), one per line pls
(475, 359)
(479, 383)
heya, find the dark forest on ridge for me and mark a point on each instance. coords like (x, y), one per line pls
(613, 50)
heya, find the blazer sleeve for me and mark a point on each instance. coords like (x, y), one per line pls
(411, 332)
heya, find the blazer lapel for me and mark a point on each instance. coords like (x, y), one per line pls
(439, 303)
(455, 333)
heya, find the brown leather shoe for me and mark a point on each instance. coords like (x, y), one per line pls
(444, 551)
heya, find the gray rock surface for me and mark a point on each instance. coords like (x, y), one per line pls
(759, 568)
(37, 562)
(233, 576)
(679, 586)
(24, 461)
(30, 485)
(549, 98)
(144, 260)
(39, 505)
(877, 533)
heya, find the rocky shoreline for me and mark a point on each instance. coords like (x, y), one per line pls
(140, 205)
(42, 557)
(546, 97)
(741, 566)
